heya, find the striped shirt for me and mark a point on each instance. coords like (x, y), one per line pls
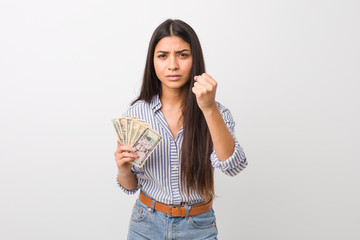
(159, 178)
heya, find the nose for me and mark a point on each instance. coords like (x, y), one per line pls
(173, 64)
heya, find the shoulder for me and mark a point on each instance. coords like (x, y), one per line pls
(138, 106)
(142, 108)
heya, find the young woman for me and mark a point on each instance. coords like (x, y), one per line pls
(177, 181)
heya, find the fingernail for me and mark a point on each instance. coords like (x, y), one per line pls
(134, 149)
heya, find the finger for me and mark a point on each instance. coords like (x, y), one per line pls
(196, 78)
(203, 85)
(197, 85)
(121, 157)
(204, 80)
(128, 155)
(118, 147)
(127, 159)
(209, 78)
(195, 91)
(127, 149)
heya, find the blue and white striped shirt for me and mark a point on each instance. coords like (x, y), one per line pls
(159, 178)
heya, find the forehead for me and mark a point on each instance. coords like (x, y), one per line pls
(172, 43)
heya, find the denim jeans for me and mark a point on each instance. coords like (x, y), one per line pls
(147, 223)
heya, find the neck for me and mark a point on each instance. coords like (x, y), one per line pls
(173, 97)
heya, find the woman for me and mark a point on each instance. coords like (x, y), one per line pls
(177, 181)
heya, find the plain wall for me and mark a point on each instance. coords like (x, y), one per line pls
(287, 70)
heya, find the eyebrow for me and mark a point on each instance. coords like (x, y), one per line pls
(180, 51)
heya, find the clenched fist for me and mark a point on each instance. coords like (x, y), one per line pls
(205, 90)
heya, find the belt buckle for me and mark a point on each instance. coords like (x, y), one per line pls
(170, 207)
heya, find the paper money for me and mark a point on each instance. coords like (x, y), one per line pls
(141, 129)
(145, 145)
(118, 131)
(135, 128)
(122, 123)
(135, 132)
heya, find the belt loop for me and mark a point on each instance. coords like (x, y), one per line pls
(187, 210)
(153, 206)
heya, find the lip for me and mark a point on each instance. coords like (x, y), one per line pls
(173, 77)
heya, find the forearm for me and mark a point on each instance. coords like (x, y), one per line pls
(128, 180)
(223, 141)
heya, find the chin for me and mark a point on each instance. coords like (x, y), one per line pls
(174, 85)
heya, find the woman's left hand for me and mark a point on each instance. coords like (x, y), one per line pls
(205, 90)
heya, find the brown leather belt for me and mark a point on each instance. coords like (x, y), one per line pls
(176, 211)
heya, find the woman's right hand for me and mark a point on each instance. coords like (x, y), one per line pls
(123, 156)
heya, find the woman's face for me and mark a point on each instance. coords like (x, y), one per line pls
(172, 62)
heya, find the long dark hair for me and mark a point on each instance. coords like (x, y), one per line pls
(196, 168)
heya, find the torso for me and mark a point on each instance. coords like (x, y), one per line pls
(174, 119)
(159, 178)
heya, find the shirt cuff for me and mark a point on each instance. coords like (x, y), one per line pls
(234, 164)
(128, 192)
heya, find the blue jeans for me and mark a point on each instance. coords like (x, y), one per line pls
(147, 223)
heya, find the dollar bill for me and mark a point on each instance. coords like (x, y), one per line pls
(145, 145)
(122, 122)
(116, 127)
(129, 123)
(118, 130)
(142, 127)
(134, 130)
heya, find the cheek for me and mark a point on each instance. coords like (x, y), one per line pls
(158, 68)
(188, 67)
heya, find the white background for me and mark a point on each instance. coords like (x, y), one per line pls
(288, 71)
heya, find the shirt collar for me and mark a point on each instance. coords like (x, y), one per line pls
(155, 103)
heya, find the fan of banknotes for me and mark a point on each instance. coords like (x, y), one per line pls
(135, 132)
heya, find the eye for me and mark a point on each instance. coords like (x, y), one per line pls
(161, 56)
(183, 55)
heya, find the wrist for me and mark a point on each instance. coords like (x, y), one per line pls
(124, 172)
(211, 109)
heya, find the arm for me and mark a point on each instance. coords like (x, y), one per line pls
(128, 181)
(237, 161)
(205, 90)
(223, 141)
(126, 178)
(228, 154)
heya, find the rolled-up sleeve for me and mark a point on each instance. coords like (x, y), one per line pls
(129, 192)
(237, 161)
